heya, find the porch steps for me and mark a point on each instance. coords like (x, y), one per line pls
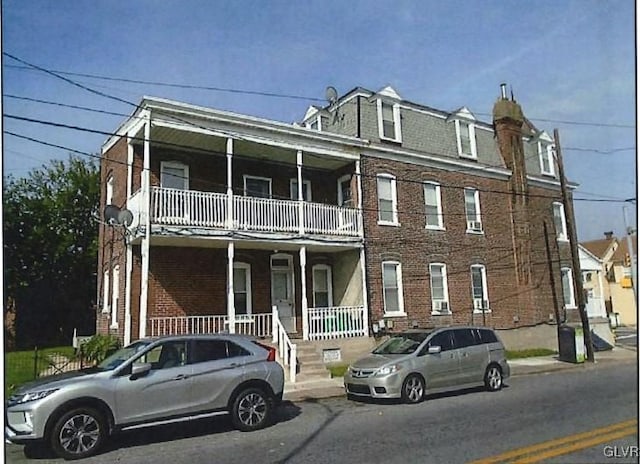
(310, 364)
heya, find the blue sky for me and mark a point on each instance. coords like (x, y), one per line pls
(568, 62)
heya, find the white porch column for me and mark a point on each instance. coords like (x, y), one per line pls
(603, 308)
(129, 255)
(300, 197)
(229, 183)
(231, 307)
(363, 263)
(305, 304)
(145, 248)
(359, 204)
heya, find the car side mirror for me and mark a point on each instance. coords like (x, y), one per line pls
(434, 349)
(139, 370)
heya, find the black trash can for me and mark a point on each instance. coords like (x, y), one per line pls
(571, 344)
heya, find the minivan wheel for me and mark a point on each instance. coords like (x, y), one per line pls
(493, 378)
(251, 410)
(78, 433)
(413, 389)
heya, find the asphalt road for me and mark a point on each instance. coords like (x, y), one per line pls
(543, 414)
(627, 336)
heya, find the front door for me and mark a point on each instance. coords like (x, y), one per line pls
(282, 290)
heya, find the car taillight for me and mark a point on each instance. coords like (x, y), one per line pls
(272, 351)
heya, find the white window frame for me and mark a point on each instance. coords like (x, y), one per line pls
(394, 199)
(342, 180)
(247, 283)
(109, 192)
(400, 311)
(437, 303)
(293, 189)
(397, 131)
(472, 139)
(545, 151)
(567, 273)
(175, 165)
(266, 179)
(480, 305)
(440, 225)
(474, 221)
(327, 268)
(314, 123)
(115, 293)
(561, 235)
(106, 292)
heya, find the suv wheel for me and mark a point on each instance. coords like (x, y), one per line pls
(413, 389)
(78, 433)
(493, 378)
(251, 410)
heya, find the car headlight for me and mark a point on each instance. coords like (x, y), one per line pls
(386, 370)
(32, 396)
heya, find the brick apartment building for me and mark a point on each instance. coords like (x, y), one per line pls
(373, 213)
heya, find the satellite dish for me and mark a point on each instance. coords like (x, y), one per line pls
(111, 213)
(125, 217)
(331, 94)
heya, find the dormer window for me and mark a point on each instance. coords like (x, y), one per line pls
(315, 124)
(466, 139)
(545, 152)
(389, 121)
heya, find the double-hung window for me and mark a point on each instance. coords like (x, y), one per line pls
(174, 175)
(259, 187)
(242, 288)
(567, 287)
(389, 121)
(105, 292)
(545, 152)
(439, 289)
(345, 197)
(387, 200)
(306, 189)
(472, 210)
(109, 193)
(466, 139)
(115, 294)
(433, 206)
(322, 287)
(392, 288)
(560, 222)
(479, 291)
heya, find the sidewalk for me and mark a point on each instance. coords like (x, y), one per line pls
(317, 389)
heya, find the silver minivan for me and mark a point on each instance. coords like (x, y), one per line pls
(417, 362)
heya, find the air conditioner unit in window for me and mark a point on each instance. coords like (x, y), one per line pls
(441, 306)
(480, 304)
(474, 225)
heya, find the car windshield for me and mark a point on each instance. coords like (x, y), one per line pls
(122, 355)
(402, 344)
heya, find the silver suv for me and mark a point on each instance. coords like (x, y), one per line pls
(151, 381)
(414, 363)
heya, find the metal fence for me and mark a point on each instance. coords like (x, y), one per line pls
(25, 366)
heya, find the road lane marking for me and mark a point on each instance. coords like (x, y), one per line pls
(627, 427)
(622, 337)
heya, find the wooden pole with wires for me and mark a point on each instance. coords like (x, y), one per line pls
(573, 243)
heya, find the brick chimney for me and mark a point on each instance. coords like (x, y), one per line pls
(608, 235)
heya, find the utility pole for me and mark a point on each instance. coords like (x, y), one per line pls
(573, 243)
(629, 231)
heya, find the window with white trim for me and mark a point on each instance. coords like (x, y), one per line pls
(242, 288)
(439, 289)
(105, 292)
(472, 210)
(545, 152)
(174, 175)
(479, 292)
(560, 222)
(114, 297)
(259, 187)
(387, 200)
(392, 288)
(567, 287)
(433, 206)
(306, 189)
(345, 197)
(322, 286)
(389, 121)
(315, 123)
(109, 193)
(466, 139)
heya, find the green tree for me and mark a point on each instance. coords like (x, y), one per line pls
(50, 250)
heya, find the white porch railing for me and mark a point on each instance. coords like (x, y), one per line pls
(208, 209)
(258, 325)
(287, 351)
(336, 322)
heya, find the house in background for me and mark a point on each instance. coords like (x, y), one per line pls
(372, 214)
(620, 301)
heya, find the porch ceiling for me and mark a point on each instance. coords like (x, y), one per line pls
(176, 139)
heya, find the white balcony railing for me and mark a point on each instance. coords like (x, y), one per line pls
(208, 209)
(258, 325)
(336, 322)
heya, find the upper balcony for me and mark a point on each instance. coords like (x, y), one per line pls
(210, 210)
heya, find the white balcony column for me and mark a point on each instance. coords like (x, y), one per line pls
(127, 294)
(365, 299)
(303, 282)
(229, 183)
(231, 307)
(359, 203)
(145, 248)
(300, 193)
